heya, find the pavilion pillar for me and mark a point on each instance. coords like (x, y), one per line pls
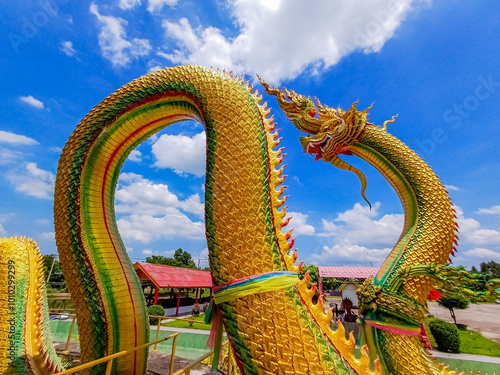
(211, 292)
(156, 295)
(197, 292)
(178, 302)
(320, 284)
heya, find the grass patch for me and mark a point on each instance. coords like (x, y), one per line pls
(186, 324)
(471, 342)
(468, 366)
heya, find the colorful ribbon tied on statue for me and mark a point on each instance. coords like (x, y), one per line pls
(266, 282)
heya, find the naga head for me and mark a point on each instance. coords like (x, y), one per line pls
(332, 130)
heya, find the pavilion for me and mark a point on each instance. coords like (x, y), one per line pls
(352, 276)
(158, 276)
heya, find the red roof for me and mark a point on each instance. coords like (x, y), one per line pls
(347, 272)
(173, 277)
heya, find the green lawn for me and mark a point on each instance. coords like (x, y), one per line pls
(468, 366)
(185, 324)
(472, 342)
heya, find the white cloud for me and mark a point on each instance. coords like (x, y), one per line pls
(181, 153)
(147, 252)
(149, 211)
(193, 204)
(129, 4)
(136, 194)
(347, 253)
(299, 225)
(7, 137)
(147, 228)
(493, 210)
(470, 231)
(483, 237)
(3, 219)
(113, 40)
(48, 236)
(451, 188)
(482, 253)
(135, 156)
(34, 181)
(282, 39)
(201, 258)
(154, 66)
(169, 253)
(359, 226)
(32, 101)
(9, 156)
(359, 236)
(157, 5)
(67, 48)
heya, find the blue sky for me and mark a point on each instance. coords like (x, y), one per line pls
(435, 63)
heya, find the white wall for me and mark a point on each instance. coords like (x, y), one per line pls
(349, 291)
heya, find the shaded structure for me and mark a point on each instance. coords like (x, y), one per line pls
(156, 276)
(350, 276)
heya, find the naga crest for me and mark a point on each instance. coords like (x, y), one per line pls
(333, 130)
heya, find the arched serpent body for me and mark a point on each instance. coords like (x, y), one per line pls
(278, 332)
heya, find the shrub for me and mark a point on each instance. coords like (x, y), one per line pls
(205, 307)
(195, 311)
(453, 304)
(155, 310)
(446, 336)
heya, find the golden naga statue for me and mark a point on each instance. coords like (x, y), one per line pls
(268, 314)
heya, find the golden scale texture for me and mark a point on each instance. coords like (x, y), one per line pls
(434, 238)
(242, 222)
(429, 230)
(280, 335)
(431, 242)
(20, 259)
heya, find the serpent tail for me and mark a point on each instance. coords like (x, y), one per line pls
(25, 340)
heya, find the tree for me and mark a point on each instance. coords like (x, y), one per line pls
(331, 283)
(492, 269)
(160, 259)
(184, 258)
(489, 270)
(328, 283)
(452, 304)
(313, 274)
(181, 259)
(56, 275)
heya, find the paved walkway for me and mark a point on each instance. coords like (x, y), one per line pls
(482, 317)
(465, 357)
(185, 330)
(434, 353)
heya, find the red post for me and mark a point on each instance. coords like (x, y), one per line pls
(320, 282)
(178, 303)
(211, 292)
(156, 296)
(197, 291)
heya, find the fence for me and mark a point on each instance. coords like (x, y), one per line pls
(109, 359)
